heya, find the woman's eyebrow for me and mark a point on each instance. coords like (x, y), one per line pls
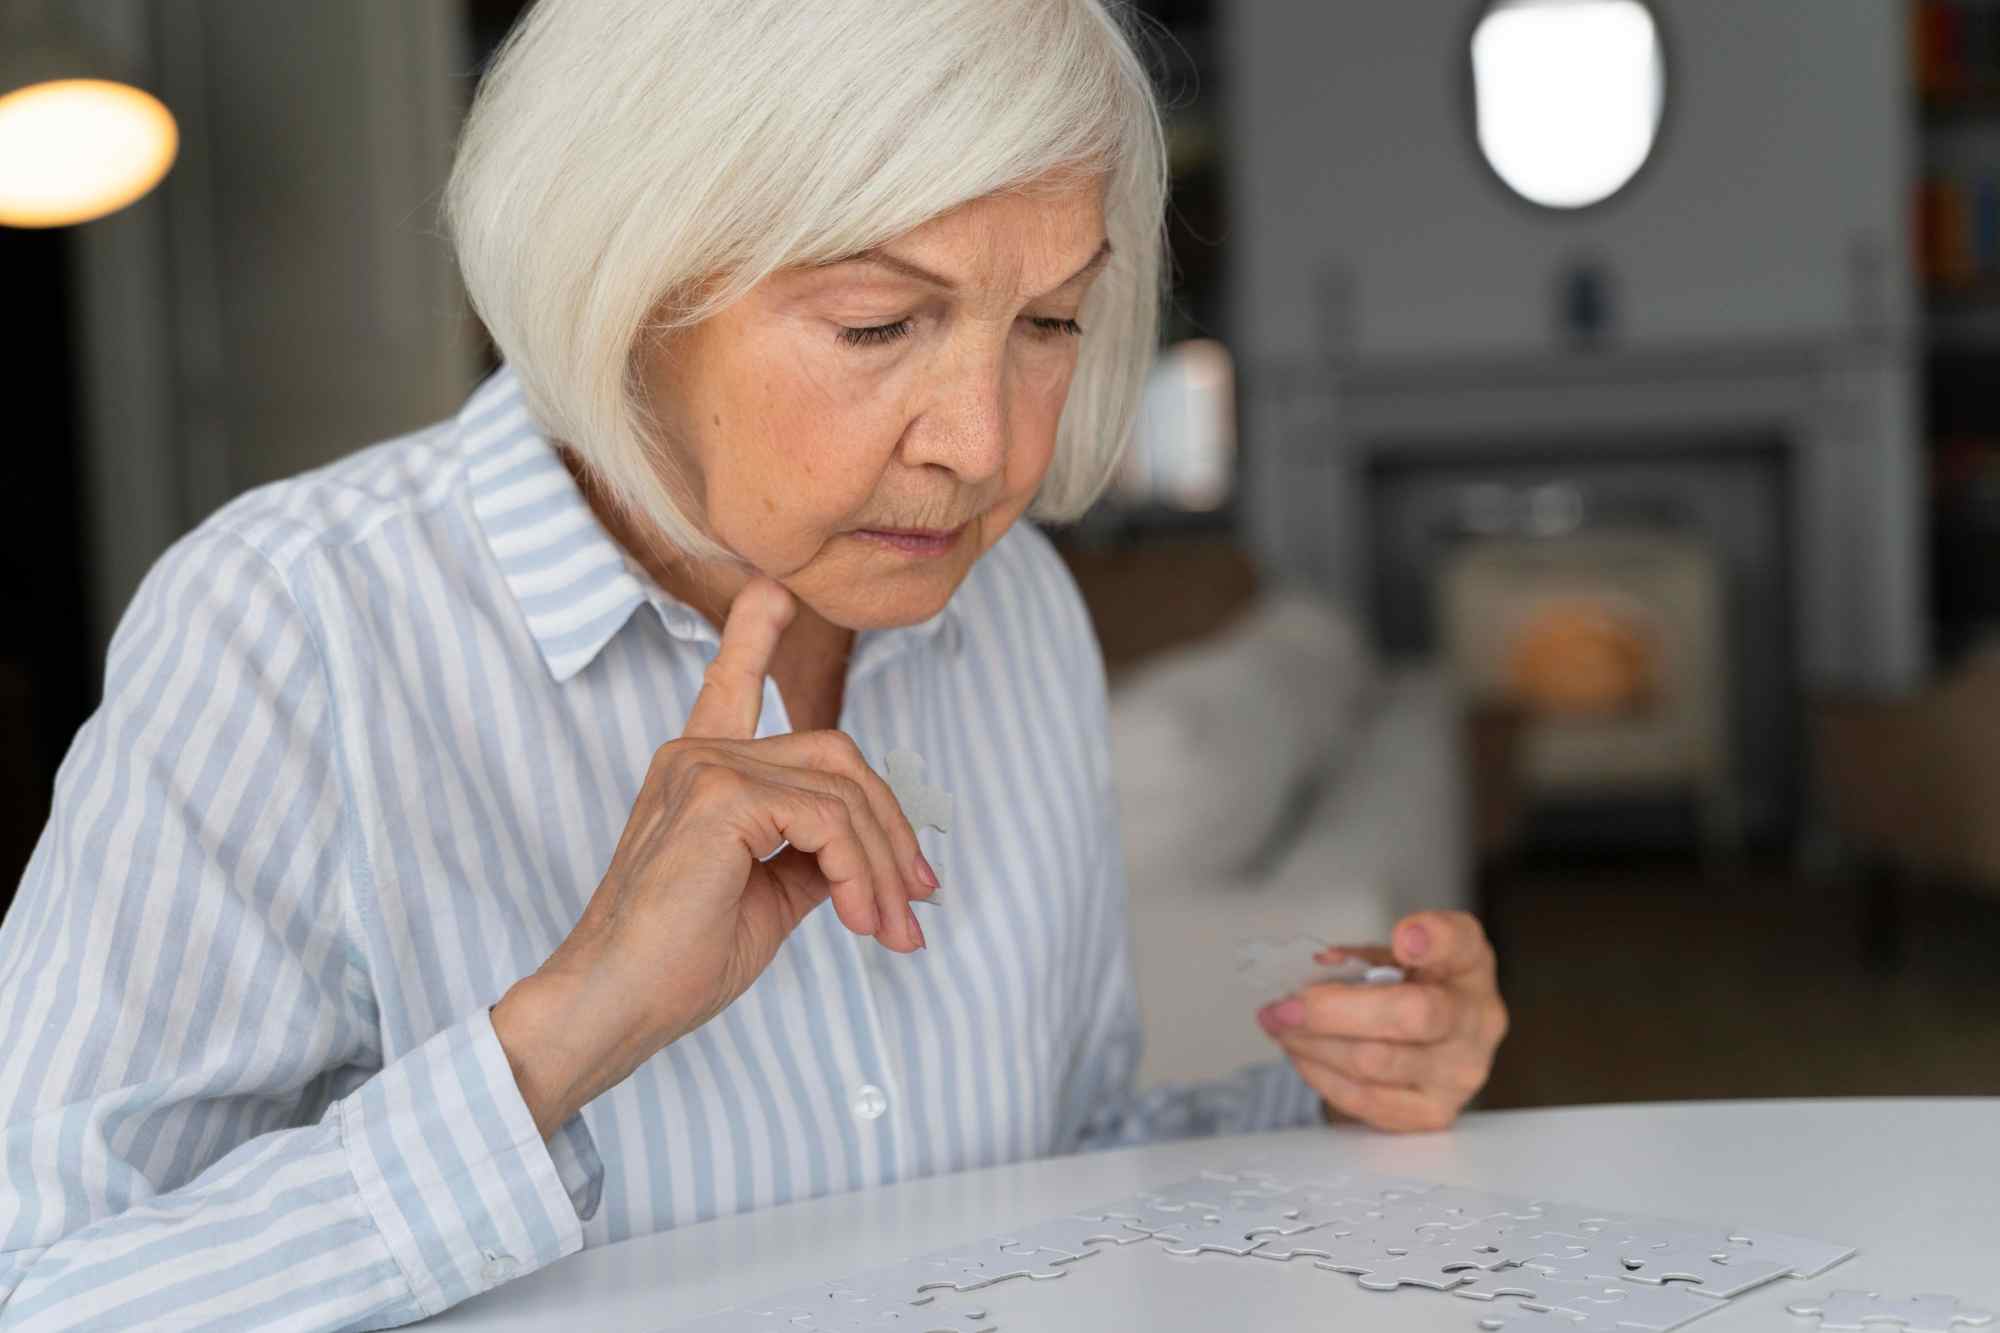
(883, 258)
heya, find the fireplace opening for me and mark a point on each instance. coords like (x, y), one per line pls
(1633, 608)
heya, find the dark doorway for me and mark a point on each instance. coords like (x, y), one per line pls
(48, 682)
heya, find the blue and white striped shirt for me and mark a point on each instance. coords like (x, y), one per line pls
(368, 739)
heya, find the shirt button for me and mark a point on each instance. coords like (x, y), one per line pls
(870, 1101)
(497, 1267)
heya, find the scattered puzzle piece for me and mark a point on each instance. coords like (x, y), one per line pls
(1547, 1321)
(1643, 1309)
(1520, 1282)
(1586, 1223)
(922, 804)
(1712, 1274)
(959, 1270)
(1321, 1243)
(1452, 1206)
(1069, 1237)
(1230, 1230)
(1410, 1270)
(1853, 1311)
(1573, 1269)
(1280, 966)
(1802, 1257)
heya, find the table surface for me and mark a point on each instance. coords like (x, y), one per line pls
(1915, 1184)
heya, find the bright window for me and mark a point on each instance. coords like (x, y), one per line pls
(1183, 449)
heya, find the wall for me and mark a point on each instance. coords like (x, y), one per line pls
(282, 298)
(1786, 141)
(1763, 257)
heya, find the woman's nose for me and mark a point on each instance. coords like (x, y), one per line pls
(965, 428)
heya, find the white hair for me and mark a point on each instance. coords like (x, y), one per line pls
(633, 166)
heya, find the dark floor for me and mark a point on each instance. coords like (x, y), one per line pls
(1661, 983)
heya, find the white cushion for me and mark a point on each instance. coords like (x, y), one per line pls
(1388, 836)
(1212, 740)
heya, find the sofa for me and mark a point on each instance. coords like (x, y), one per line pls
(1274, 778)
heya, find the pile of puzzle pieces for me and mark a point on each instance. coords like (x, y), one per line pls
(1537, 1266)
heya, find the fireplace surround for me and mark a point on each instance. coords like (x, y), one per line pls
(1797, 458)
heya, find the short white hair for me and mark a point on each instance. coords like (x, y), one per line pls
(633, 166)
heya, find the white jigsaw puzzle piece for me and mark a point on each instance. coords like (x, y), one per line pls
(1586, 1223)
(1280, 966)
(1231, 1230)
(1574, 1269)
(1712, 1274)
(1644, 1309)
(1069, 1237)
(1417, 1270)
(1546, 1321)
(964, 1269)
(922, 803)
(1542, 1291)
(1451, 1206)
(1855, 1311)
(1802, 1257)
(1507, 1242)
(1335, 1243)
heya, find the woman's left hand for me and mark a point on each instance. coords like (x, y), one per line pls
(1407, 1056)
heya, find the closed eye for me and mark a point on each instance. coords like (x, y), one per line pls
(876, 335)
(1066, 328)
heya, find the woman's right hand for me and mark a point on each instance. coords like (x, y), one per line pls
(687, 915)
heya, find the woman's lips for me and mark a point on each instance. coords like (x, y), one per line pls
(915, 543)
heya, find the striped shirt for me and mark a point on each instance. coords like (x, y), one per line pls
(369, 737)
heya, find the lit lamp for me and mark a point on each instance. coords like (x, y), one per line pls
(77, 139)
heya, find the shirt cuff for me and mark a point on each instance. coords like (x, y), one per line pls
(447, 1159)
(1277, 1098)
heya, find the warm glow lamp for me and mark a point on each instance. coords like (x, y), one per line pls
(78, 139)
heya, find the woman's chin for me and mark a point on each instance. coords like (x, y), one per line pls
(884, 601)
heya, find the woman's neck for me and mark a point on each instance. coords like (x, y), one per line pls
(810, 661)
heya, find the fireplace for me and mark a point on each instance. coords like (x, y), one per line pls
(1634, 611)
(1778, 475)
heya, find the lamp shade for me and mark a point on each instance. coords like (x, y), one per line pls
(78, 138)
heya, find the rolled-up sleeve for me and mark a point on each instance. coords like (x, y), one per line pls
(197, 1123)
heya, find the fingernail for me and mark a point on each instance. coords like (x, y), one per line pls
(1289, 1013)
(924, 871)
(1416, 941)
(909, 914)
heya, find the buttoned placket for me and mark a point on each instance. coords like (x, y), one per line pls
(875, 1091)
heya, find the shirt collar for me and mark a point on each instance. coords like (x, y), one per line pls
(575, 585)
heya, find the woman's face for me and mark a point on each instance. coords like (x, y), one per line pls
(915, 388)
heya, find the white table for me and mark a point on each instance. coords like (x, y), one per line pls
(1914, 1183)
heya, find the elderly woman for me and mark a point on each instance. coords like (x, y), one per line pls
(434, 892)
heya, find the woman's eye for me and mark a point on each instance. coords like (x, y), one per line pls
(876, 335)
(1057, 328)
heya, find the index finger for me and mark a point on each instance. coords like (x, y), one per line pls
(1409, 1011)
(732, 689)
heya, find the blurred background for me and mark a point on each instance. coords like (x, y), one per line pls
(1570, 488)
